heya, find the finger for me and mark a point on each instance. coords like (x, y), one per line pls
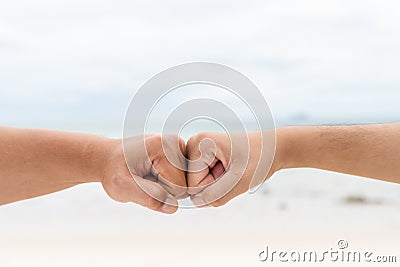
(155, 197)
(171, 178)
(220, 192)
(172, 166)
(198, 180)
(145, 193)
(210, 175)
(202, 157)
(218, 170)
(168, 163)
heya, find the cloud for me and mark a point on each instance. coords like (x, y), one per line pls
(314, 57)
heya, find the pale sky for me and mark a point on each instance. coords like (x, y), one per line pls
(81, 61)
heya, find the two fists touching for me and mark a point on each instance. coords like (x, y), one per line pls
(212, 168)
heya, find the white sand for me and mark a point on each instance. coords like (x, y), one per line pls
(298, 209)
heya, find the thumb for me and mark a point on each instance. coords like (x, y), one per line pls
(202, 157)
(153, 196)
(218, 193)
(125, 188)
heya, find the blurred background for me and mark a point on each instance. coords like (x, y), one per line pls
(75, 65)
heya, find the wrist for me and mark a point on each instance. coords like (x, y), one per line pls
(300, 146)
(279, 155)
(96, 154)
(285, 142)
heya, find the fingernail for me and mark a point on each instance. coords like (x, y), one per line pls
(198, 201)
(169, 205)
(168, 208)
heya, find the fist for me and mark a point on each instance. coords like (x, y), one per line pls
(223, 166)
(150, 173)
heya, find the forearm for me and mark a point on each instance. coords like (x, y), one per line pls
(365, 150)
(38, 162)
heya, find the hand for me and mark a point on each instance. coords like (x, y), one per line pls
(219, 172)
(156, 183)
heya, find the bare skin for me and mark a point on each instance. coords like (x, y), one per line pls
(39, 162)
(371, 151)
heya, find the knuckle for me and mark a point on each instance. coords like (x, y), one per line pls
(194, 141)
(182, 145)
(167, 138)
(202, 136)
(173, 141)
(170, 137)
(156, 139)
(170, 142)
